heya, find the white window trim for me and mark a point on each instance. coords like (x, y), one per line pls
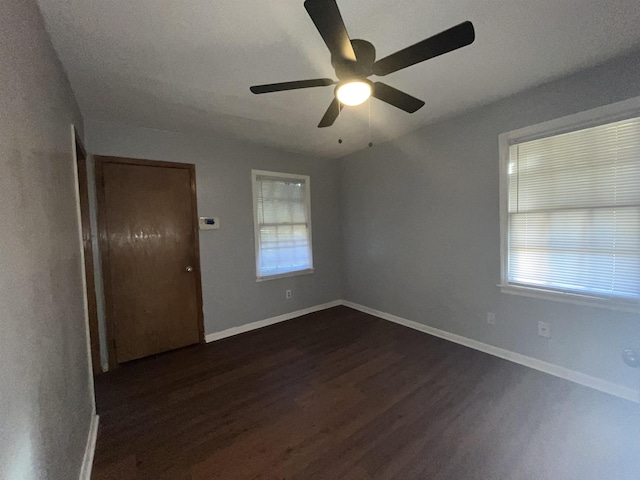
(285, 275)
(589, 118)
(256, 230)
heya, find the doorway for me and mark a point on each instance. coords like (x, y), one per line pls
(147, 222)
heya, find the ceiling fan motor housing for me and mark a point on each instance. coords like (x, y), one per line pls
(361, 68)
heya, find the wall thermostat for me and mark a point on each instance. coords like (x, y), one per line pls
(209, 223)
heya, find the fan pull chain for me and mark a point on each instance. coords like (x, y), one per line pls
(370, 136)
(340, 123)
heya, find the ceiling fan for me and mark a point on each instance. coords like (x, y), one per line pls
(355, 60)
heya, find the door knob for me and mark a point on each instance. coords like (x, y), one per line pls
(189, 269)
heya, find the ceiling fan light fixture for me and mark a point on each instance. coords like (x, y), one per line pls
(354, 92)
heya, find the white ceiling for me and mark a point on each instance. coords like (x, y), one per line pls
(187, 65)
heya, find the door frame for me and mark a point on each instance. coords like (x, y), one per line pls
(100, 161)
(85, 225)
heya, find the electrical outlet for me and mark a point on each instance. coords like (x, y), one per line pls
(544, 329)
(287, 294)
(631, 357)
(491, 318)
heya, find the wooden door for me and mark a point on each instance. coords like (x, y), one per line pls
(148, 222)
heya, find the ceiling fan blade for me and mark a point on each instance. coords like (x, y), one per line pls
(331, 114)
(444, 42)
(327, 19)
(279, 87)
(395, 97)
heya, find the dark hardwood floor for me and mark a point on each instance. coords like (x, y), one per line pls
(342, 395)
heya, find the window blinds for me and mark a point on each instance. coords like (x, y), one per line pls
(283, 225)
(574, 211)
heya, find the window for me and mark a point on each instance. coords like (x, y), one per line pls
(570, 208)
(282, 220)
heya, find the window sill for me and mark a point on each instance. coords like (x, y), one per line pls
(285, 275)
(576, 299)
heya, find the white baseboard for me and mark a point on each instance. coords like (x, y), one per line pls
(212, 337)
(546, 367)
(87, 461)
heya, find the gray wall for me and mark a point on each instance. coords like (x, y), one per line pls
(421, 231)
(231, 295)
(46, 402)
